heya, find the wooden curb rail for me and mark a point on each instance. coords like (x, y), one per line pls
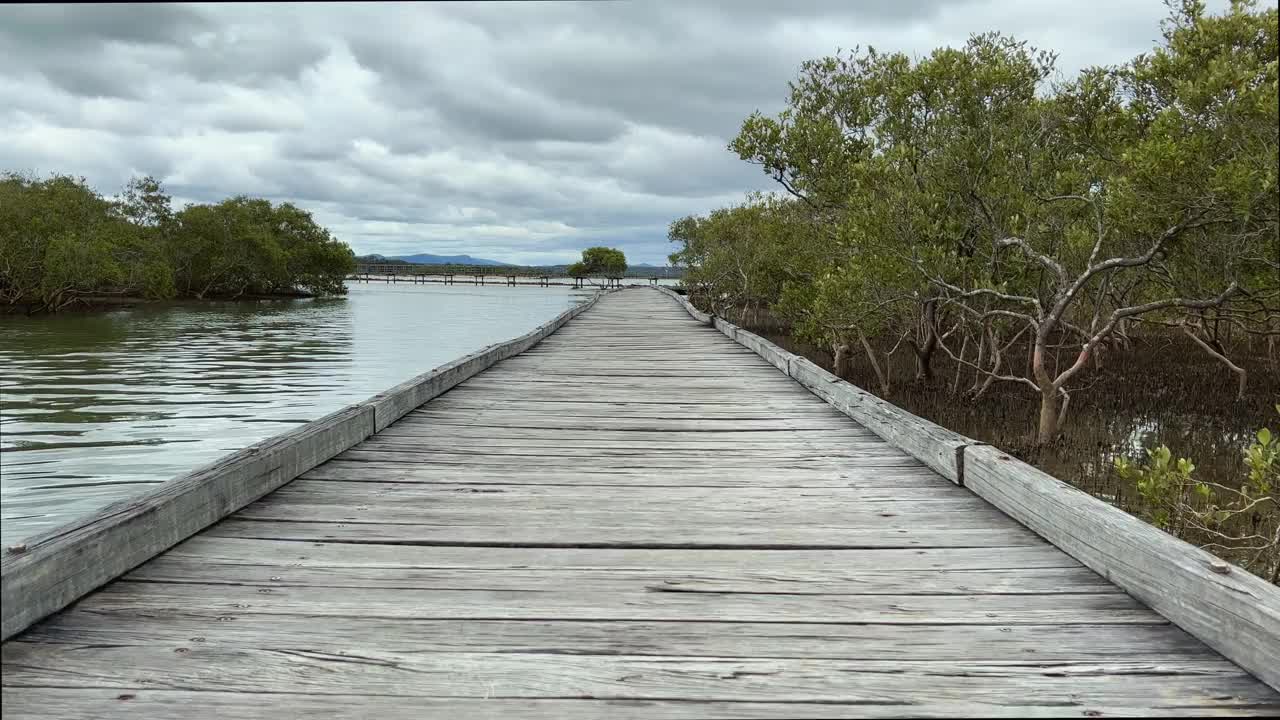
(1226, 607)
(56, 568)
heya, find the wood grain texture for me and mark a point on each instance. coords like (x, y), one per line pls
(149, 702)
(297, 554)
(355, 635)
(636, 517)
(1213, 682)
(558, 533)
(1236, 613)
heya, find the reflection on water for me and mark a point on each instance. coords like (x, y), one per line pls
(95, 406)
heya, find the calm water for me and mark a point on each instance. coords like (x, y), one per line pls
(97, 406)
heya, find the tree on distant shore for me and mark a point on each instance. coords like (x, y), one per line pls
(61, 242)
(601, 261)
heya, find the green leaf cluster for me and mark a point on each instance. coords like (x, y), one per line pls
(600, 262)
(1214, 513)
(60, 241)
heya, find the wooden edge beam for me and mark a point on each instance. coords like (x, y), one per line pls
(694, 312)
(56, 568)
(1226, 607)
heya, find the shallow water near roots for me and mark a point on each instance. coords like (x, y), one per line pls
(96, 406)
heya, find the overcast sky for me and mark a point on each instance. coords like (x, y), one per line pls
(522, 132)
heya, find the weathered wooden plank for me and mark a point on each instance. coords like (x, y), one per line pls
(715, 360)
(230, 550)
(389, 500)
(906, 477)
(693, 456)
(493, 510)
(1214, 682)
(850, 454)
(556, 533)
(554, 371)
(462, 402)
(622, 393)
(111, 703)
(815, 439)
(694, 453)
(652, 464)
(502, 411)
(699, 425)
(790, 581)
(855, 501)
(1233, 611)
(639, 603)
(637, 386)
(590, 526)
(672, 443)
(374, 484)
(1041, 643)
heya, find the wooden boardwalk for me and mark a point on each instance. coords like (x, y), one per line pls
(638, 518)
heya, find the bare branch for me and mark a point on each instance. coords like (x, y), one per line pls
(1053, 265)
(1008, 378)
(1134, 310)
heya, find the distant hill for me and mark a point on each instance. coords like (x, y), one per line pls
(376, 258)
(429, 259)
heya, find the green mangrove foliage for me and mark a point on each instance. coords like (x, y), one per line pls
(600, 261)
(1210, 513)
(61, 243)
(965, 203)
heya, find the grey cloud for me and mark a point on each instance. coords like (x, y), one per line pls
(62, 26)
(92, 49)
(511, 114)
(522, 131)
(275, 49)
(88, 80)
(480, 105)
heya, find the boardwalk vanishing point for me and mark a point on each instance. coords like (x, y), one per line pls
(635, 517)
